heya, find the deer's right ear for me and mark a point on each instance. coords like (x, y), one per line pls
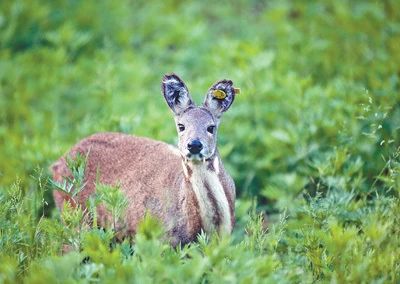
(176, 93)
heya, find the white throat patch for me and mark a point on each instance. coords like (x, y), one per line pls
(211, 198)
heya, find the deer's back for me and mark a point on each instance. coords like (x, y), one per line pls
(148, 172)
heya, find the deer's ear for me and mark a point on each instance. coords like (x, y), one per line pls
(220, 97)
(176, 93)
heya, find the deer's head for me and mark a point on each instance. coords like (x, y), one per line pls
(197, 126)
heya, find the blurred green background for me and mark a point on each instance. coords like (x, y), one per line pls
(318, 115)
(319, 80)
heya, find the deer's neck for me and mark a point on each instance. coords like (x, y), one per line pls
(204, 179)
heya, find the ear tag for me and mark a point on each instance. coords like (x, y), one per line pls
(219, 94)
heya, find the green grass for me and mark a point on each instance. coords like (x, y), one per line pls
(312, 141)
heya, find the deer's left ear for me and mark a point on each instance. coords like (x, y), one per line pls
(220, 97)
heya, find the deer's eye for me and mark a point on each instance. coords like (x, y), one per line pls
(181, 127)
(211, 129)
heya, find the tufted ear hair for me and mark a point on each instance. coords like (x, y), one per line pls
(176, 93)
(220, 97)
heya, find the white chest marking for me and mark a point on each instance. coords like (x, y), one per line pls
(200, 177)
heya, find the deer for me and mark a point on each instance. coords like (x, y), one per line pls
(186, 187)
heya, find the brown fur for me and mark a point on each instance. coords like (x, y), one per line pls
(150, 175)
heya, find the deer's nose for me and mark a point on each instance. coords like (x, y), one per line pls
(195, 146)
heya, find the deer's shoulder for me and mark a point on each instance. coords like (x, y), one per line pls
(121, 145)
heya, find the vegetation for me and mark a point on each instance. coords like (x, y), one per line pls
(312, 141)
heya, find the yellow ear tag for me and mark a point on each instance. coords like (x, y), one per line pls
(219, 94)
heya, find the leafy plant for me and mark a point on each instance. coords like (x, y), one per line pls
(74, 184)
(114, 201)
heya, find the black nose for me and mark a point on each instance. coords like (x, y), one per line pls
(195, 147)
